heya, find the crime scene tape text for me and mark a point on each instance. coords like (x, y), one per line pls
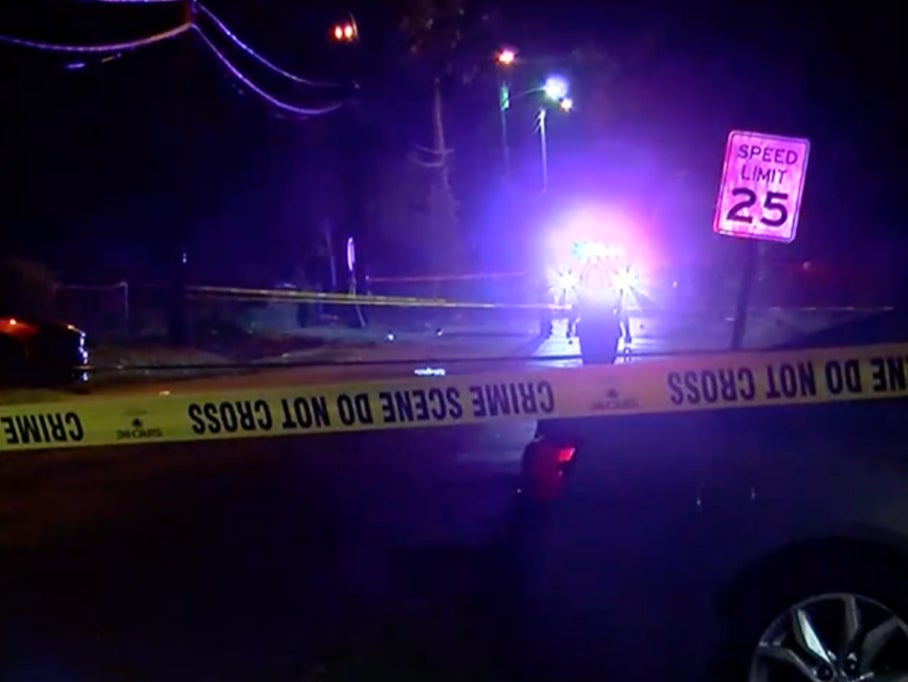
(734, 380)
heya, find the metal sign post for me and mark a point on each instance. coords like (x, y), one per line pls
(504, 103)
(748, 273)
(351, 279)
(759, 200)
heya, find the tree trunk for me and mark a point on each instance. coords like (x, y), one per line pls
(327, 235)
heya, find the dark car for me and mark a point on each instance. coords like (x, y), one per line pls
(759, 544)
(41, 352)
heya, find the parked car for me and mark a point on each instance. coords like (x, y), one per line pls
(760, 544)
(39, 351)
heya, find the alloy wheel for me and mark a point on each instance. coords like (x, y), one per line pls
(833, 638)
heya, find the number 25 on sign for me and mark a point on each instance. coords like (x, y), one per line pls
(762, 184)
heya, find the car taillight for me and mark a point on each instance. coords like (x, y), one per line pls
(544, 464)
(14, 327)
(565, 454)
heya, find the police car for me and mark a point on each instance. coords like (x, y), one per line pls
(764, 544)
(595, 286)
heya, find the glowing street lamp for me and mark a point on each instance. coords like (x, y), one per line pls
(506, 57)
(556, 88)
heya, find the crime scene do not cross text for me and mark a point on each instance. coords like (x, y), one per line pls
(720, 382)
(437, 404)
(789, 381)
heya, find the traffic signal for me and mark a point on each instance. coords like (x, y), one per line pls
(344, 32)
(506, 57)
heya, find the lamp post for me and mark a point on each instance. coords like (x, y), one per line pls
(543, 147)
(555, 89)
(505, 58)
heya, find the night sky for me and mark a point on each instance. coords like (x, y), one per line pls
(112, 168)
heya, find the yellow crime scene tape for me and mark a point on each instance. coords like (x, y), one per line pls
(290, 295)
(725, 381)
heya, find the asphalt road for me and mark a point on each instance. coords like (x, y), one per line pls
(256, 560)
(245, 561)
(342, 557)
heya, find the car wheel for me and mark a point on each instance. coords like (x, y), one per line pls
(817, 623)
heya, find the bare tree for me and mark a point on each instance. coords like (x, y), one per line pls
(441, 38)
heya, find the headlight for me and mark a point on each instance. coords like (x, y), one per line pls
(566, 281)
(562, 284)
(627, 279)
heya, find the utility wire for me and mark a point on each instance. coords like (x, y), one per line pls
(134, 2)
(107, 47)
(177, 31)
(258, 57)
(278, 104)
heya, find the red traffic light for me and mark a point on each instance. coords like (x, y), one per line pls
(506, 56)
(344, 33)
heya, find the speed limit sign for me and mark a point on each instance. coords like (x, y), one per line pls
(762, 184)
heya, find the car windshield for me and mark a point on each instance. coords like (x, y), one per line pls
(451, 340)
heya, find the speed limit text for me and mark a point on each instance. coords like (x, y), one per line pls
(755, 155)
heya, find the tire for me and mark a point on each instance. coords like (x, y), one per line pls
(776, 586)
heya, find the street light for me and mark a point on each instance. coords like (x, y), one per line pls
(505, 58)
(556, 89)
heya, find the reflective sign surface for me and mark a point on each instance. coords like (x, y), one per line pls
(762, 183)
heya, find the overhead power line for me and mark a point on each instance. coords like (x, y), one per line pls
(275, 102)
(106, 48)
(258, 57)
(98, 49)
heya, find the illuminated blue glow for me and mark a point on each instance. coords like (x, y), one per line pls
(591, 250)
